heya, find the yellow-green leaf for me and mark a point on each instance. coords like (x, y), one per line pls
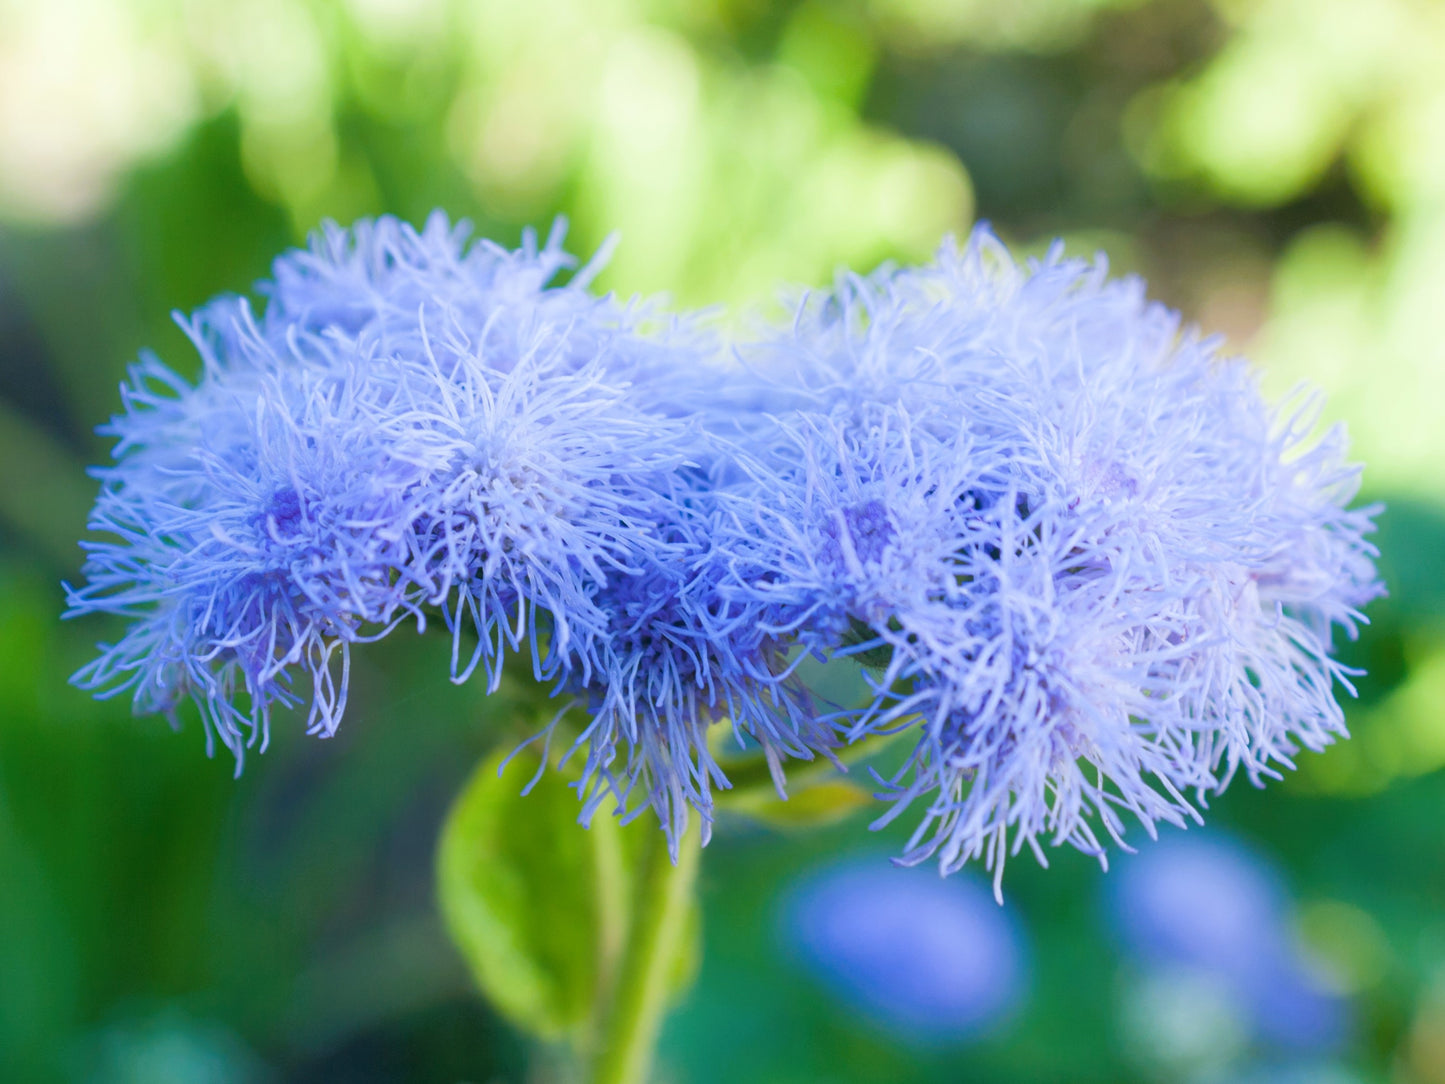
(823, 802)
(538, 905)
(534, 901)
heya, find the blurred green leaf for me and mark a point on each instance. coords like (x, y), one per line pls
(825, 802)
(530, 896)
(755, 791)
(539, 905)
(43, 490)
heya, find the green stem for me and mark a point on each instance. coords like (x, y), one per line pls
(650, 958)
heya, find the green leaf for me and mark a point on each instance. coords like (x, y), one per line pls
(754, 792)
(540, 906)
(688, 961)
(824, 802)
(536, 903)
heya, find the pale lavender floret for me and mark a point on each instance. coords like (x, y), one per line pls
(385, 278)
(260, 527)
(1101, 570)
(339, 468)
(417, 427)
(406, 292)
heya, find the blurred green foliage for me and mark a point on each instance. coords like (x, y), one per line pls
(539, 908)
(1275, 167)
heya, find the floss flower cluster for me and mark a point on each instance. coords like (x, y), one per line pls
(1080, 559)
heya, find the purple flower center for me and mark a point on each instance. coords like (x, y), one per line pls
(283, 514)
(862, 528)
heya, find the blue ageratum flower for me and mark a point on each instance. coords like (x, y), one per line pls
(683, 651)
(1094, 570)
(411, 427)
(1081, 557)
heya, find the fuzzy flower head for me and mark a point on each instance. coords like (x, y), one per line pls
(413, 426)
(1084, 562)
(683, 652)
(1099, 571)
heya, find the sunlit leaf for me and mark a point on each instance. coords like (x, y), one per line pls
(538, 905)
(535, 902)
(824, 802)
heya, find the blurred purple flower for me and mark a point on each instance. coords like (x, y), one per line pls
(1214, 910)
(931, 961)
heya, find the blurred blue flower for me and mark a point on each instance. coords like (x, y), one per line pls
(1287, 1072)
(1201, 901)
(1093, 568)
(931, 961)
(1215, 913)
